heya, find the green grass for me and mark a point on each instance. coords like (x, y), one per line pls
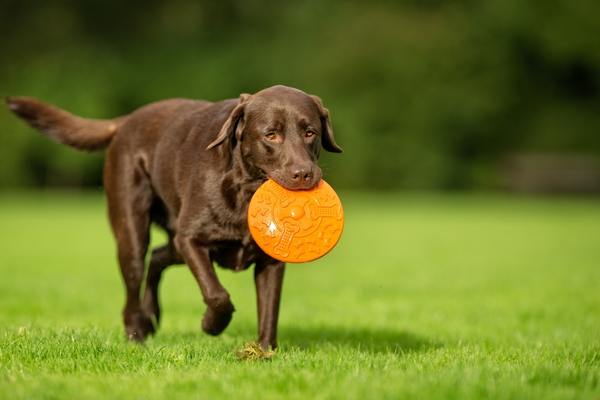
(425, 297)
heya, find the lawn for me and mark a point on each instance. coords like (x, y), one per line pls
(426, 296)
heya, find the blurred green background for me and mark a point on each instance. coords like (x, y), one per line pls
(427, 94)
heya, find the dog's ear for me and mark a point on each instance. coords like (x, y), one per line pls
(327, 139)
(233, 124)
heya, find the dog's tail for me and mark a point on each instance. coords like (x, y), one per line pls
(64, 127)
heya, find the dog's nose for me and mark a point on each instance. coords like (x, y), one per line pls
(300, 174)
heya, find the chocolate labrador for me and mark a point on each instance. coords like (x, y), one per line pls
(191, 167)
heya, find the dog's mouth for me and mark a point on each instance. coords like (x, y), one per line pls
(303, 185)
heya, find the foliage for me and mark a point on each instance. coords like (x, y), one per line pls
(423, 94)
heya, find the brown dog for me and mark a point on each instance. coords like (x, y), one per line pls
(191, 167)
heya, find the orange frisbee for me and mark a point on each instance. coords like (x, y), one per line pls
(295, 225)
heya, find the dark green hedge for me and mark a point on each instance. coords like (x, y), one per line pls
(423, 94)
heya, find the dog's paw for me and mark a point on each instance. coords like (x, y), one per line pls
(217, 317)
(138, 326)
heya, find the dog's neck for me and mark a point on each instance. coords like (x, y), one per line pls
(241, 179)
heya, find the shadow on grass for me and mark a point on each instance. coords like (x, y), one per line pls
(361, 339)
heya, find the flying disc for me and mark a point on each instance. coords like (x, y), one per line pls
(295, 225)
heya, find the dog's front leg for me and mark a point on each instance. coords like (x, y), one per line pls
(268, 277)
(219, 307)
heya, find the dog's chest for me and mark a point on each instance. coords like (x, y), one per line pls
(222, 225)
(232, 245)
(236, 255)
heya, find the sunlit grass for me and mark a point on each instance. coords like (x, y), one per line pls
(425, 297)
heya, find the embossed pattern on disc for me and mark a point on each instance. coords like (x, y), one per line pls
(295, 225)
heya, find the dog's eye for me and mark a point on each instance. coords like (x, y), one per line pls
(271, 136)
(309, 134)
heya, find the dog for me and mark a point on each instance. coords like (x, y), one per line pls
(191, 167)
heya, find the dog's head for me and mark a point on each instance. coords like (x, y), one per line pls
(280, 132)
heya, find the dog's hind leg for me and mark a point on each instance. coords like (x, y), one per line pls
(129, 197)
(162, 257)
